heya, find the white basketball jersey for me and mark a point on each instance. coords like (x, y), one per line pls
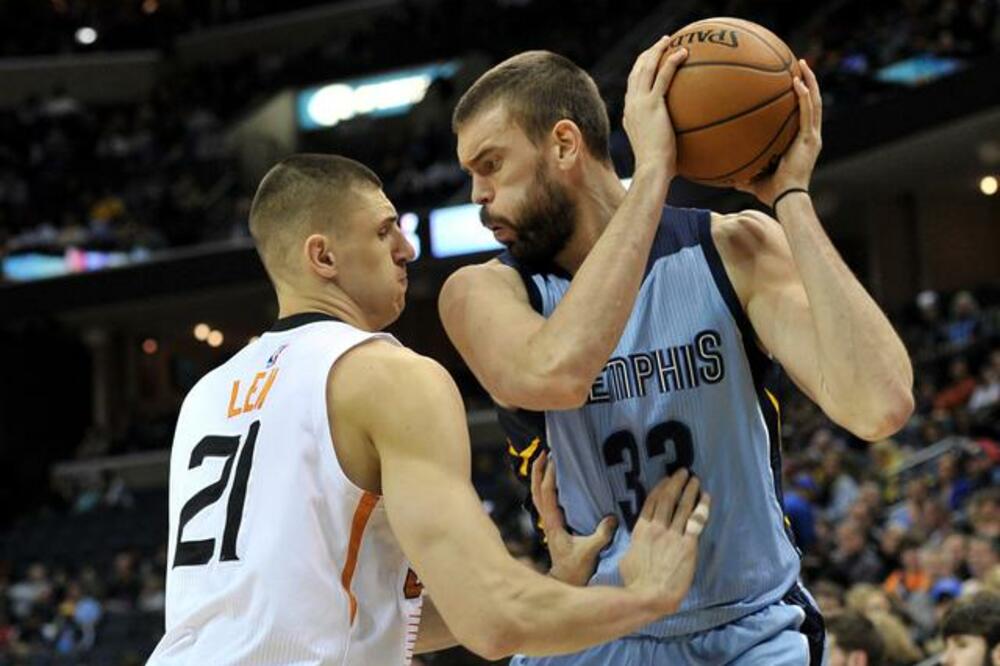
(275, 557)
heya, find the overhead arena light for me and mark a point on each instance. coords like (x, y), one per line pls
(388, 94)
(988, 185)
(86, 36)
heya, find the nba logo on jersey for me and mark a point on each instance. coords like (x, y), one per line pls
(274, 357)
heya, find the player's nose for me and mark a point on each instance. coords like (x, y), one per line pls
(482, 194)
(405, 252)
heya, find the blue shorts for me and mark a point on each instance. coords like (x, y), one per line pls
(788, 633)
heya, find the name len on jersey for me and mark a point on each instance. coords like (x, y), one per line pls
(677, 368)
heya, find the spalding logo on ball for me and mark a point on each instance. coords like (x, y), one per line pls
(732, 102)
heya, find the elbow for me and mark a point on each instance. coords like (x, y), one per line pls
(496, 640)
(541, 390)
(570, 391)
(567, 382)
(892, 415)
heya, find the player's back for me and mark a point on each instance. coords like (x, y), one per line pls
(684, 387)
(275, 557)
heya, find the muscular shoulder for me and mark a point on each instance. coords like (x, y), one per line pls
(743, 233)
(480, 279)
(753, 248)
(379, 371)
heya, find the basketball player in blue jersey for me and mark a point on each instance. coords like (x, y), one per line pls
(630, 338)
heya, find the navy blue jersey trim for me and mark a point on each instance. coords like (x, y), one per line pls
(760, 364)
(534, 295)
(814, 625)
(300, 319)
(678, 229)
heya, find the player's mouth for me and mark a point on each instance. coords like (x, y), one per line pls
(502, 234)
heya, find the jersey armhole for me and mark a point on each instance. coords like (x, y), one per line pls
(534, 294)
(759, 362)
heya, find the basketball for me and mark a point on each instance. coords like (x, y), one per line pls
(732, 102)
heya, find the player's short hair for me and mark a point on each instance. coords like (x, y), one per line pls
(977, 616)
(540, 88)
(303, 194)
(854, 631)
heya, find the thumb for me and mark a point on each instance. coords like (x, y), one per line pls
(604, 533)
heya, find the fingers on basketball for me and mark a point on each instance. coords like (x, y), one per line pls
(665, 73)
(809, 78)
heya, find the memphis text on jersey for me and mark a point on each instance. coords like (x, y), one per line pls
(678, 368)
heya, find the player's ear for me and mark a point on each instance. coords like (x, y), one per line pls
(567, 144)
(320, 257)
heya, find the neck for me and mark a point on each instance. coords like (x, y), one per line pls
(336, 304)
(599, 193)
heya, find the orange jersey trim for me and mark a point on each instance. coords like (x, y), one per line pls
(358, 524)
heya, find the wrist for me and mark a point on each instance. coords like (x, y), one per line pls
(652, 171)
(655, 605)
(565, 576)
(787, 194)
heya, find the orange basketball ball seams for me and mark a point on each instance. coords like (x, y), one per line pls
(732, 102)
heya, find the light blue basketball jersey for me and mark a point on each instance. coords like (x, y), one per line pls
(684, 387)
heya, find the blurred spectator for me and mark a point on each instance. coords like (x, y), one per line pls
(853, 640)
(829, 597)
(152, 598)
(911, 578)
(972, 632)
(866, 598)
(34, 590)
(983, 555)
(799, 509)
(840, 487)
(124, 586)
(984, 512)
(900, 648)
(953, 485)
(854, 560)
(960, 387)
(987, 392)
(907, 513)
(962, 328)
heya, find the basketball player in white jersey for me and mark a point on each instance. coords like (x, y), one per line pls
(310, 470)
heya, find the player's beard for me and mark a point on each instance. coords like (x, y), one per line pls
(544, 224)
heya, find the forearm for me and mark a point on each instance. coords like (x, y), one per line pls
(497, 606)
(555, 618)
(863, 364)
(579, 336)
(434, 634)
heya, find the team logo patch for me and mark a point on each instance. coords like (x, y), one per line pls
(274, 357)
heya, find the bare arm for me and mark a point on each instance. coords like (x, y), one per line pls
(493, 604)
(434, 634)
(808, 308)
(527, 361)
